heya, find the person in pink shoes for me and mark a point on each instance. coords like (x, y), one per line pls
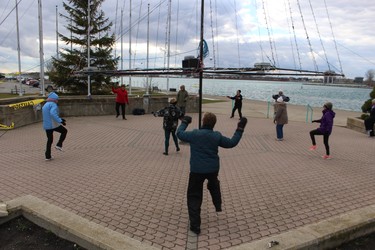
(325, 128)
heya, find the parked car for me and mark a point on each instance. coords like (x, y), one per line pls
(32, 83)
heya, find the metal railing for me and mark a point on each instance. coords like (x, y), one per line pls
(309, 110)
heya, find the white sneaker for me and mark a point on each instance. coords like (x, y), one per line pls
(59, 148)
(49, 159)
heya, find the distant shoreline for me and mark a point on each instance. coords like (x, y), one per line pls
(346, 85)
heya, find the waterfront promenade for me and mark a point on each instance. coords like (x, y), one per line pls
(113, 173)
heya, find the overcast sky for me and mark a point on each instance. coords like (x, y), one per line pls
(305, 34)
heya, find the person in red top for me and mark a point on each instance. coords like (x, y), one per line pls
(121, 100)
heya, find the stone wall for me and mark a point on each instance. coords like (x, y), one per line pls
(356, 124)
(83, 106)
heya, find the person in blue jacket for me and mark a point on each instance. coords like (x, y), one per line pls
(53, 122)
(205, 162)
(325, 128)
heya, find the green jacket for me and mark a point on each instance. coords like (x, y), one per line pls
(182, 97)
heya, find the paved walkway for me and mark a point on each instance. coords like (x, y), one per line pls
(113, 173)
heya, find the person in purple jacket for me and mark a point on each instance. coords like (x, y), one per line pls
(325, 128)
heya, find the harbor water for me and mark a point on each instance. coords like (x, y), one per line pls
(344, 98)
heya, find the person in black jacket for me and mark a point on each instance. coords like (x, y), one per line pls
(370, 121)
(170, 115)
(237, 103)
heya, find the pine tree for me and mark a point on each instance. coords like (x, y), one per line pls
(74, 57)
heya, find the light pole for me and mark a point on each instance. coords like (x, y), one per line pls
(57, 33)
(201, 66)
(41, 52)
(19, 51)
(88, 47)
(148, 46)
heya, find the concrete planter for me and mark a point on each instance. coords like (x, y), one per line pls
(356, 124)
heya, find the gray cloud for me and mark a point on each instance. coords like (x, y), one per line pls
(351, 25)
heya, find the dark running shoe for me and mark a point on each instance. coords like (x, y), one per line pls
(195, 230)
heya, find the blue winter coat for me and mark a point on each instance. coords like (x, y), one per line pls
(51, 118)
(204, 147)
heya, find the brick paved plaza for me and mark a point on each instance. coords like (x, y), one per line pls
(113, 173)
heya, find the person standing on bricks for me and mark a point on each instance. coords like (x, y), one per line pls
(53, 122)
(121, 100)
(325, 129)
(205, 162)
(237, 103)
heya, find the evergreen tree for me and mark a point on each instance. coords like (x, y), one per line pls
(366, 107)
(74, 57)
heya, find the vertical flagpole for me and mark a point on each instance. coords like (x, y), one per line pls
(122, 52)
(88, 47)
(41, 52)
(169, 39)
(148, 47)
(201, 65)
(57, 33)
(130, 46)
(19, 51)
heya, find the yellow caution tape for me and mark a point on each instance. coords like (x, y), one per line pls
(25, 104)
(7, 127)
(21, 105)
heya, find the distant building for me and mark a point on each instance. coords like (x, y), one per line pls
(358, 79)
(263, 66)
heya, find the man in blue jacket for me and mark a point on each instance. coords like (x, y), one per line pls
(205, 162)
(52, 122)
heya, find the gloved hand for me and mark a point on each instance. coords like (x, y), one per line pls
(242, 124)
(63, 122)
(186, 119)
(315, 121)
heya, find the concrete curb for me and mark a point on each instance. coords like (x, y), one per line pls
(326, 234)
(71, 226)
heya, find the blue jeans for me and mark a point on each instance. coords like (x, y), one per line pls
(279, 131)
(167, 134)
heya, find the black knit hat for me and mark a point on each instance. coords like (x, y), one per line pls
(328, 105)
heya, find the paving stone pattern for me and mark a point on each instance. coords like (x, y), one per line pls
(113, 172)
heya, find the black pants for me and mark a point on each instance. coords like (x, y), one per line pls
(369, 125)
(325, 139)
(122, 105)
(239, 107)
(60, 129)
(195, 195)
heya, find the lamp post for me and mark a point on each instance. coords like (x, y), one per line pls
(41, 52)
(19, 51)
(148, 47)
(201, 66)
(88, 47)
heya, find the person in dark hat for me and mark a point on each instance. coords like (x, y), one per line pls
(325, 128)
(53, 122)
(170, 115)
(237, 103)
